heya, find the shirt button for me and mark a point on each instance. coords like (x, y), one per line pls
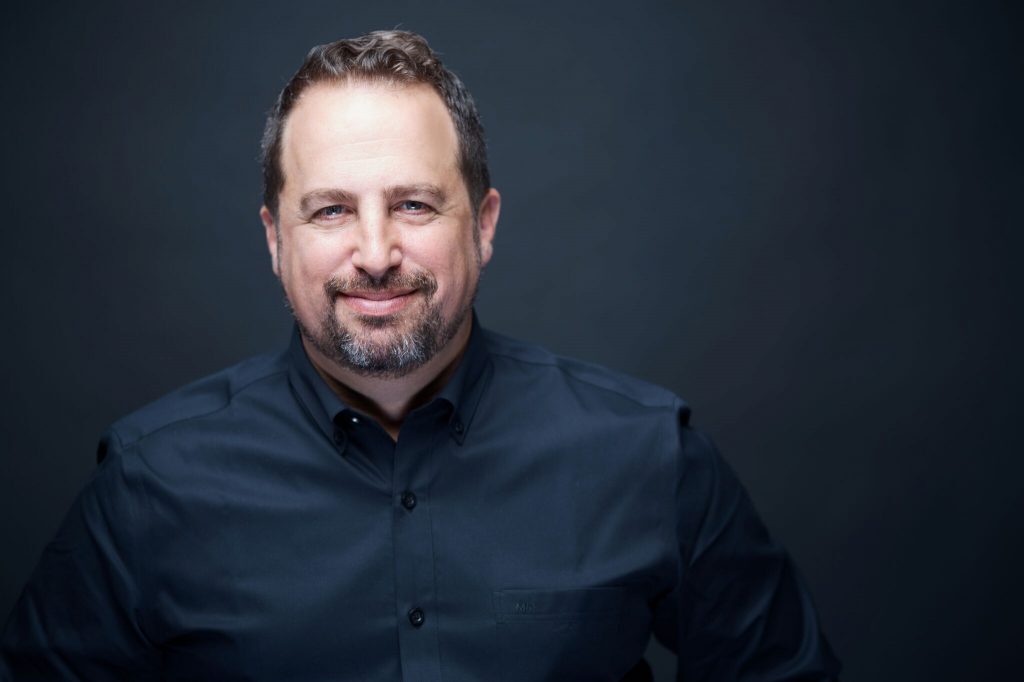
(416, 617)
(458, 426)
(408, 500)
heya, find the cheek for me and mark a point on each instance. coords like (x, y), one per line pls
(307, 265)
(324, 250)
(452, 264)
(460, 275)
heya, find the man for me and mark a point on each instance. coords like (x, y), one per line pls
(402, 494)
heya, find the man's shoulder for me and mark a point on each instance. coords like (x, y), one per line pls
(544, 367)
(203, 398)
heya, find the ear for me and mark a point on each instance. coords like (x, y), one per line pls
(487, 218)
(271, 229)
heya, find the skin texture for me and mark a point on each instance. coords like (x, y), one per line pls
(375, 235)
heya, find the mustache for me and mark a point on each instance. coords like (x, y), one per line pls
(392, 279)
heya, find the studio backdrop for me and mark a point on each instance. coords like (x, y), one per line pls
(803, 218)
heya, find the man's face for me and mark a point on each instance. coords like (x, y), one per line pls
(376, 244)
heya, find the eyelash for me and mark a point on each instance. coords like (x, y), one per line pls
(421, 208)
(322, 213)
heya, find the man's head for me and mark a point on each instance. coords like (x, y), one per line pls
(394, 57)
(378, 211)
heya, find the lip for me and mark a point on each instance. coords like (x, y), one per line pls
(378, 302)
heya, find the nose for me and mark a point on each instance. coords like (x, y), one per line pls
(378, 247)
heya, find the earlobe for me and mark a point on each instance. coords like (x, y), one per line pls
(270, 227)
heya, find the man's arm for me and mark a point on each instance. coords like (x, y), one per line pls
(740, 610)
(77, 618)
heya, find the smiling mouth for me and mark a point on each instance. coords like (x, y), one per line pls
(377, 303)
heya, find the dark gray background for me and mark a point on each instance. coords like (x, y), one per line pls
(801, 217)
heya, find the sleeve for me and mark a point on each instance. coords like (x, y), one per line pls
(78, 617)
(740, 611)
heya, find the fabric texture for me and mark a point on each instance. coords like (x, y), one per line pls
(537, 520)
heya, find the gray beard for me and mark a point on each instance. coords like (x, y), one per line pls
(399, 353)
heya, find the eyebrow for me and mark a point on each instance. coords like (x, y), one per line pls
(323, 196)
(436, 194)
(320, 197)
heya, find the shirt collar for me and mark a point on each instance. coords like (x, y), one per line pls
(462, 392)
(321, 403)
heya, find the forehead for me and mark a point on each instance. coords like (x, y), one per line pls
(365, 132)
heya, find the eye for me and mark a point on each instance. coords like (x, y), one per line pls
(328, 212)
(412, 206)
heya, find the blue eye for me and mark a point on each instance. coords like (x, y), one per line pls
(413, 206)
(331, 211)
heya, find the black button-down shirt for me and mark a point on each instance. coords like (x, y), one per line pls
(537, 520)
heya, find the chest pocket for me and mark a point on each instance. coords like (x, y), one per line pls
(579, 634)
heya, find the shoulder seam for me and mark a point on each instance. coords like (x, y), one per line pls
(565, 371)
(225, 405)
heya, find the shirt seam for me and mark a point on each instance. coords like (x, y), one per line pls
(202, 415)
(135, 586)
(568, 373)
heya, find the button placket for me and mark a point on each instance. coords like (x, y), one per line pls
(415, 582)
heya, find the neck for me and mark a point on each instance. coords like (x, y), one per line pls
(390, 399)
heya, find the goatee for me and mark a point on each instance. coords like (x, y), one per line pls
(401, 350)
